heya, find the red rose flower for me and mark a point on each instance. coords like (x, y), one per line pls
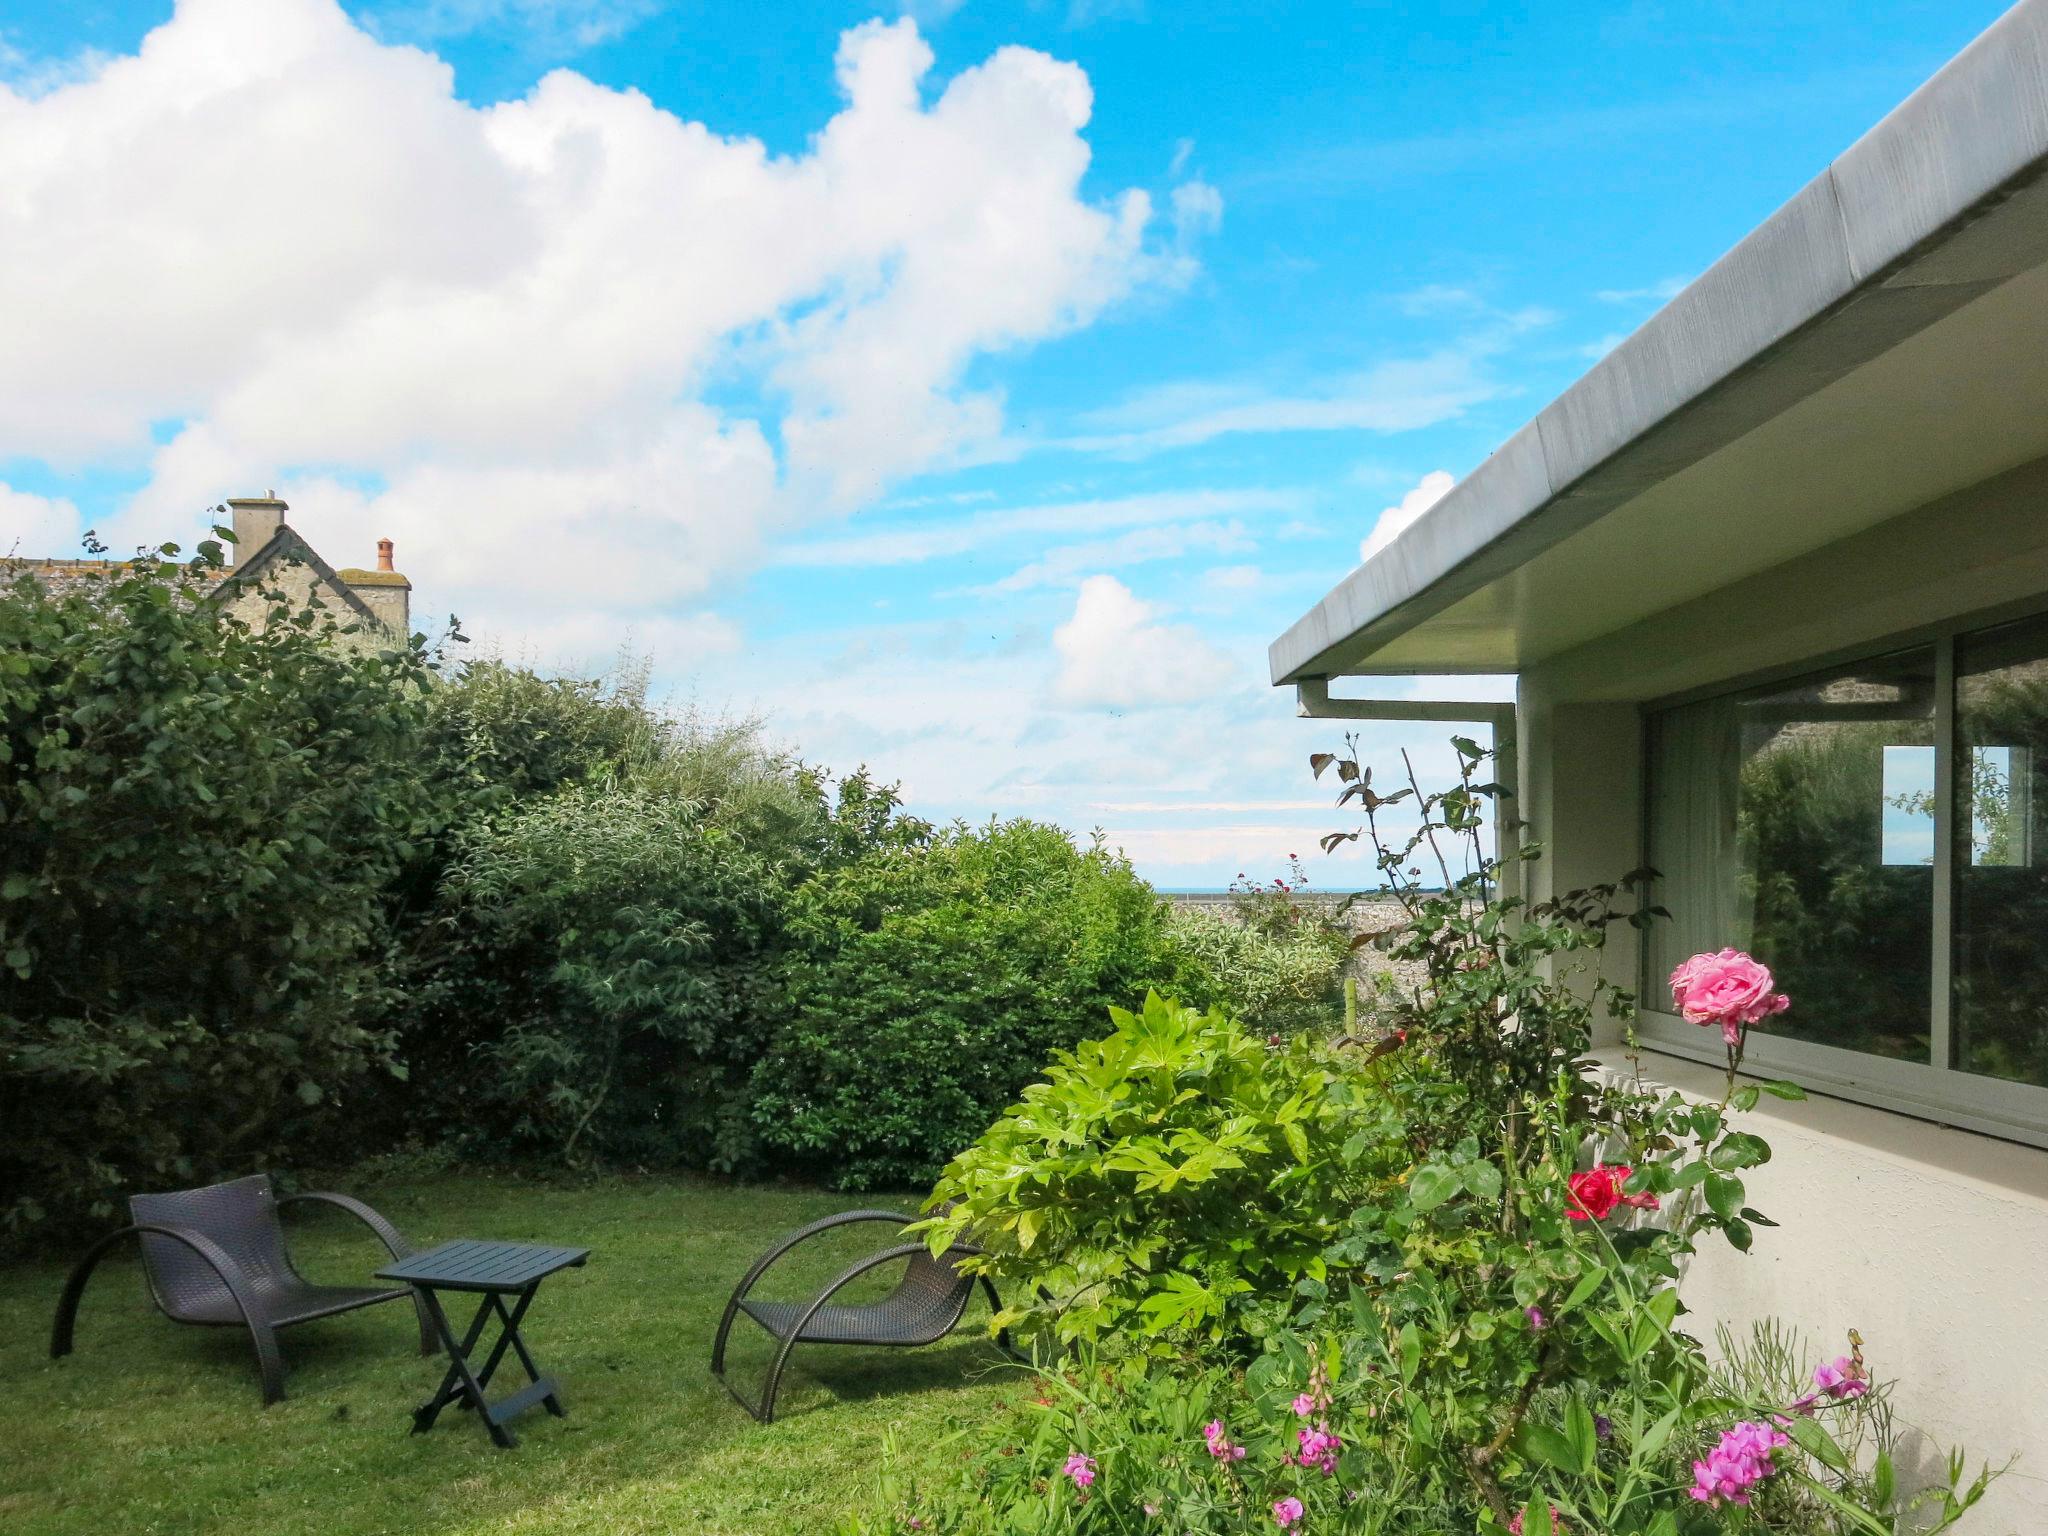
(1596, 1192)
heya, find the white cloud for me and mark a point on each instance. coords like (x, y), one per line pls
(1658, 292)
(1403, 395)
(37, 525)
(546, 27)
(1427, 493)
(31, 77)
(586, 644)
(487, 331)
(1182, 807)
(1197, 211)
(1114, 654)
(934, 540)
(1258, 847)
(1233, 578)
(1063, 565)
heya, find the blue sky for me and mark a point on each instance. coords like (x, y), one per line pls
(970, 414)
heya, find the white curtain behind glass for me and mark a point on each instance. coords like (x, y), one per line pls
(1695, 772)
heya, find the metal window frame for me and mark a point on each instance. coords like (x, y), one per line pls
(1933, 1090)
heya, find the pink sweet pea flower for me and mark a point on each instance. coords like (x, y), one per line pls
(1556, 1525)
(1736, 1465)
(1304, 1405)
(1319, 1449)
(1219, 1442)
(1841, 1380)
(1286, 1512)
(1729, 989)
(1080, 1468)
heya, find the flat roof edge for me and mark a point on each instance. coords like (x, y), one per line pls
(1978, 125)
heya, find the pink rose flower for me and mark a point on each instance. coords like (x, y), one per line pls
(1729, 989)
(1286, 1512)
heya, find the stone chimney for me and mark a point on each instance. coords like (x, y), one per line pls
(384, 591)
(256, 521)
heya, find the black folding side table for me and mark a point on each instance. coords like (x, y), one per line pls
(496, 1270)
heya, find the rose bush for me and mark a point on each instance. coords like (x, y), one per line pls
(1490, 1338)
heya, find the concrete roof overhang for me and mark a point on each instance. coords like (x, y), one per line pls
(1879, 341)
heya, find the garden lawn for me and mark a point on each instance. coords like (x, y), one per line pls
(151, 1427)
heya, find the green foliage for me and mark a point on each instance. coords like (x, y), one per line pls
(1208, 1450)
(621, 943)
(497, 734)
(1157, 1183)
(1459, 1323)
(1278, 980)
(927, 980)
(589, 974)
(201, 819)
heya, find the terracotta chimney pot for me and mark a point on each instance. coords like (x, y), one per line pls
(384, 556)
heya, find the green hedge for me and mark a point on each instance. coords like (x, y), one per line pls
(927, 984)
(200, 823)
(270, 896)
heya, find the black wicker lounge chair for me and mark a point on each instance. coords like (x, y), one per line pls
(215, 1257)
(925, 1306)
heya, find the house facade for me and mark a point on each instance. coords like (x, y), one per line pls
(269, 556)
(1772, 582)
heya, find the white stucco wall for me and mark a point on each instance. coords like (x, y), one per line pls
(1930, 1242)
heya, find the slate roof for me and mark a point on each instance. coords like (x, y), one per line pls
(60, 577)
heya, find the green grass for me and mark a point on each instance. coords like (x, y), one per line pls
(151, 1427)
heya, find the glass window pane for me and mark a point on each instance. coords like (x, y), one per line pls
(1908, 826)
(1798, 823)
(2000, 908)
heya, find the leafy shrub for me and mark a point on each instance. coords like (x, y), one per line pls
(1316, 1439)
(497, 734)
(201, 819)
(1277, 982)
(1158, 1182)
(591, 945)
(1486, 1339)
(926, 981)
(618, 945)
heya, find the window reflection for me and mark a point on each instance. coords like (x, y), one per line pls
(1797, 823)
(2000, 906)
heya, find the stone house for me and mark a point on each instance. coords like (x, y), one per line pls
(270, 555)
